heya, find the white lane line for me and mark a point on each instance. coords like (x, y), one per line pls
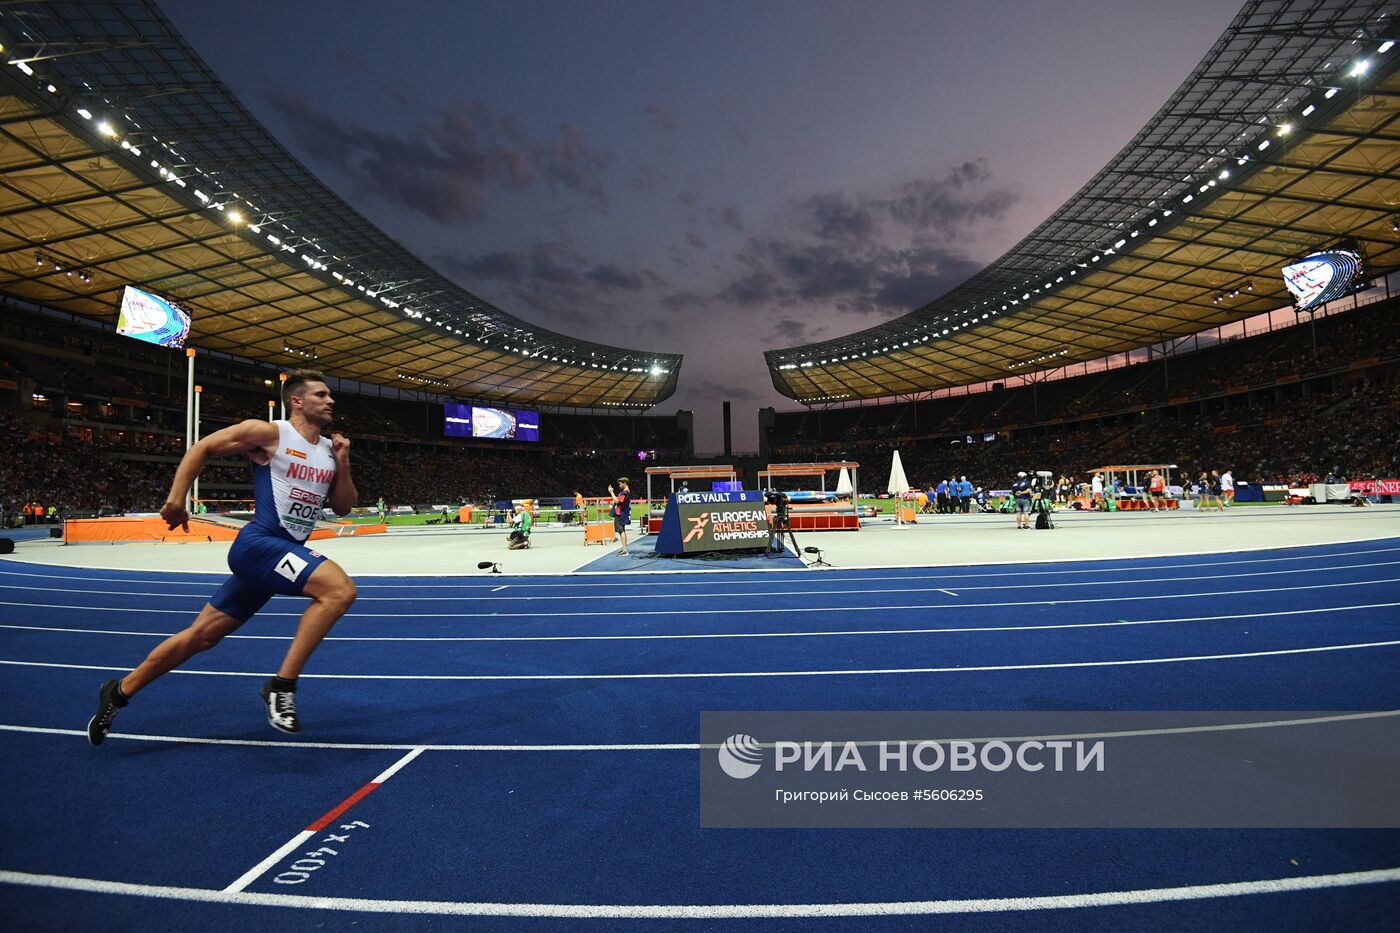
(681, 636)
(838, 575)
(949, 592)
(496, 590)
(693, 675)
(258, 870)
(806, 592)
(716, 911)
(753, 610)
(694, 746)
(397, 766)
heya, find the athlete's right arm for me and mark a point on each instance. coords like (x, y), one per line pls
(244, 437)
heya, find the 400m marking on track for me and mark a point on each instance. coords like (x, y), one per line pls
(301, 870)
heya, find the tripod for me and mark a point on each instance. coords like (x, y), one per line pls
(775, 534)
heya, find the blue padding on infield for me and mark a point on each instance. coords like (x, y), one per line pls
(642, 556)
(30, 533)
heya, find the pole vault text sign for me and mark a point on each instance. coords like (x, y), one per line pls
(698, 522)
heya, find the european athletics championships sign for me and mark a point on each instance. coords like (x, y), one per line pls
(698, 522)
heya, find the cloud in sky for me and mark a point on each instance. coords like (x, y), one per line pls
(549, 283)
(663, 118)
(445, 165)
(878, 254)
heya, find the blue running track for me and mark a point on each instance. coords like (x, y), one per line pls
(520, 753)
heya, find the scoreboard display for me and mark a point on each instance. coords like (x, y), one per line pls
(699, 522)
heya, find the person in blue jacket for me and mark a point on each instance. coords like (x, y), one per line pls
(965, 495)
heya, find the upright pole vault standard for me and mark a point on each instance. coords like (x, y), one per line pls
(684, 474)
(198, 394)
(189, 410)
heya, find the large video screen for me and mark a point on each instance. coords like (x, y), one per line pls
(153, 319)
(1322, 277)
(495, 423)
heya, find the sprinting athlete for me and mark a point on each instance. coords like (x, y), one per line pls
(295, 470)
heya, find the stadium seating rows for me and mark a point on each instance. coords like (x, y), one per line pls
(90, 436)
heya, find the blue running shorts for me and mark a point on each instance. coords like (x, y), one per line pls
(263, 564)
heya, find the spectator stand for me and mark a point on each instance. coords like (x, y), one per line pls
(1137, 487)
(823, 516)
(655, 508)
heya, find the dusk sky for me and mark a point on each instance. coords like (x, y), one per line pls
(713, 179)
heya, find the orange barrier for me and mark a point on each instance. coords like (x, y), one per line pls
(1128, 505)
(840, 521)
(347, 530)
(153, 528)
(598, 533)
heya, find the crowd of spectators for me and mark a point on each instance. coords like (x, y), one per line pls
(1352, 432)
(1339, 416)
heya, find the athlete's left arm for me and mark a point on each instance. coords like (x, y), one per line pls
(343, 495)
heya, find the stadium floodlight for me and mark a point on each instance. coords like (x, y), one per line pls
(1359, 68)
(234, 217)
(1263, 145)
(1385, 46)
(1307, 111)
(1285, 129)
(85, 113)
(23, 66)
(1331, 93)
(106, 129)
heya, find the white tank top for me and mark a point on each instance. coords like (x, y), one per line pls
(290, 489)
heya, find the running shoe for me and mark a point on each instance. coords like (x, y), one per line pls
(108, 702)
(281, 708)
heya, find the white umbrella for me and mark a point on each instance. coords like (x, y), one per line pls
(898, 486)
(843, 483)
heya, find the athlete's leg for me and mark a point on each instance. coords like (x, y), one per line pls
(332, 592)
(208, 628)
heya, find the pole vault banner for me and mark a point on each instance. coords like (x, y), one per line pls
(699, 522)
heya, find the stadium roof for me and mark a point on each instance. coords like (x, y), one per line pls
(1282, 141)
(124, 159)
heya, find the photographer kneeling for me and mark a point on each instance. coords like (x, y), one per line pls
(521, 521)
